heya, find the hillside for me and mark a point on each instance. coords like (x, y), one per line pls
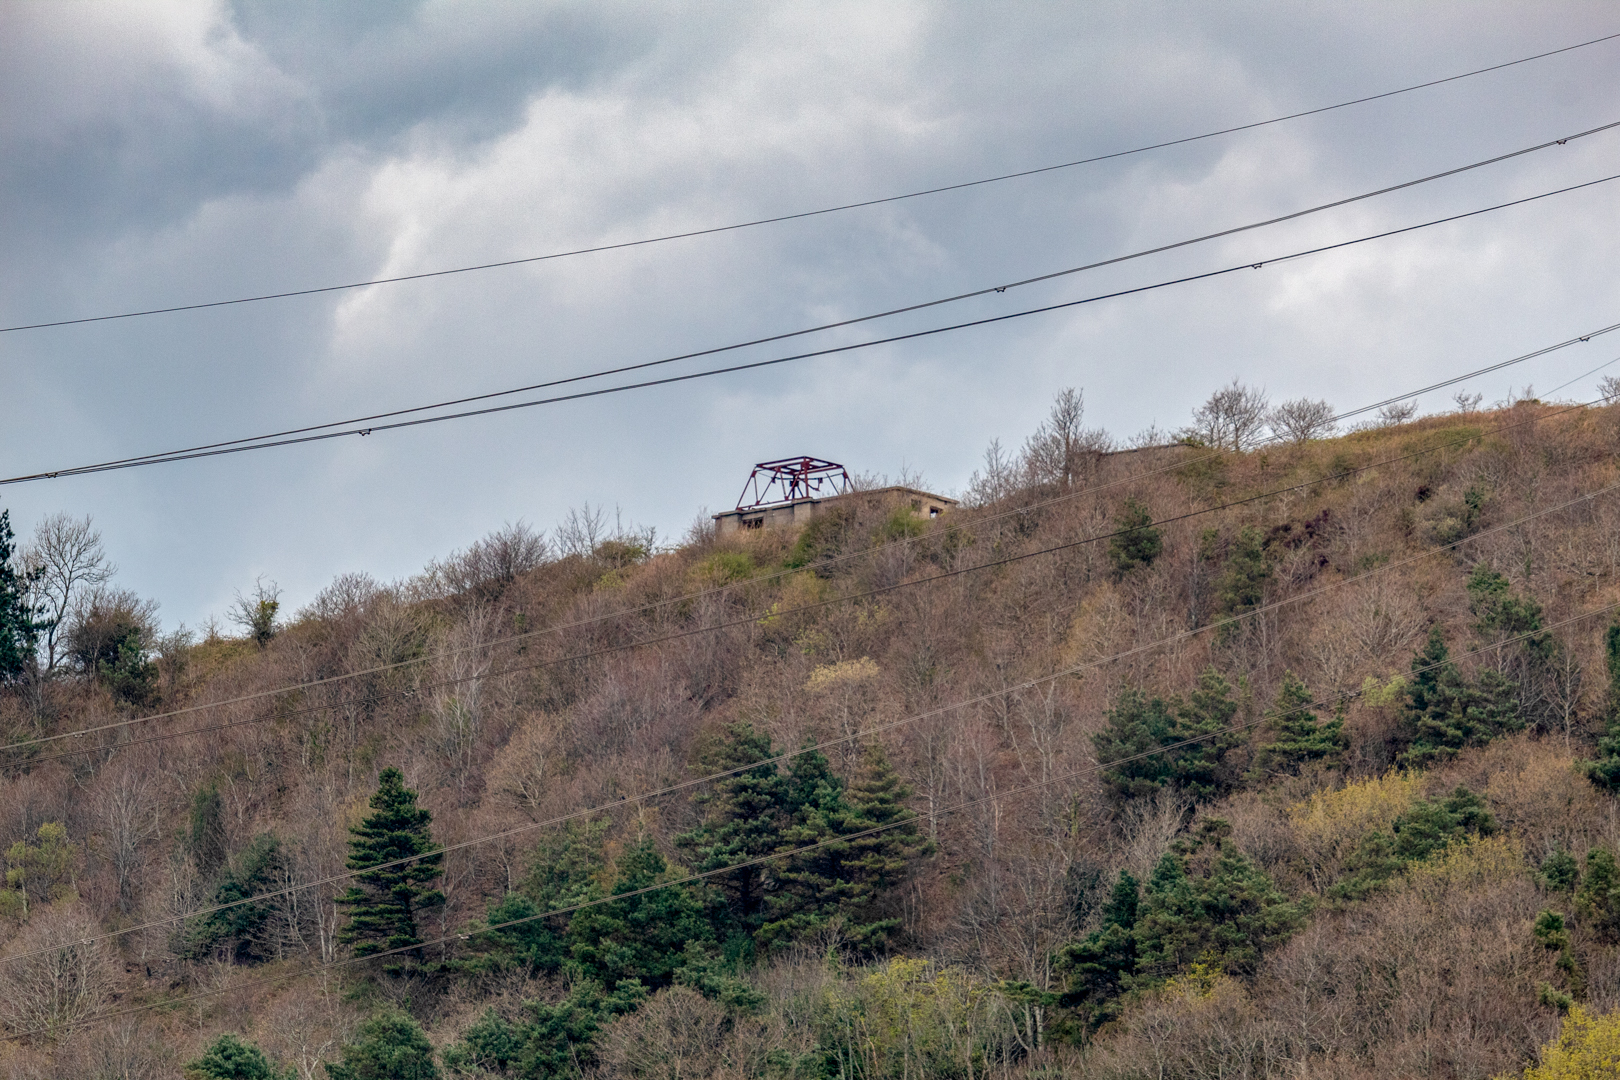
(1169, 763)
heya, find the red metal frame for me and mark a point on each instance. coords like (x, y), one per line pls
(793, 479)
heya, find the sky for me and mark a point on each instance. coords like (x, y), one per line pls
(163, 153)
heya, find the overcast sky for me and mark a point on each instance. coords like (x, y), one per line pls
(157, 153)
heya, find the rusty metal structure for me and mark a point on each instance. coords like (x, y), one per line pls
(790, 479)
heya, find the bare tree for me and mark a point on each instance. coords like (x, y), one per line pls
(1231, 419)
(1609, 387)
(257, 613)
(490, 565)
(1466, 402)
(126, 812)
(998, 479)
(1061, 450)
(1302, 420)
(69, 556)
(1398, 412)
(61, 976)
(582, 530)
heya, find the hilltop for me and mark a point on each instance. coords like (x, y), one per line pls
(1180, 761)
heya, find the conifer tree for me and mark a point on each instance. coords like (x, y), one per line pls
(1136, 726)
(1206, 715)
(229, 1058)
(391, 1047)
(1605, 771)
(1445, 714)
(745, 819)
(383, 903)
(1241, 586)
(843, 878)
(639, 938)
(1137, 542)
(1098, 969)
(1298, 735)
(19, 623)
(1206, 902)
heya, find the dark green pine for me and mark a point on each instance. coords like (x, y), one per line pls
(391, 1047)
(1137, 725)
(1605, 771)
(229, 1058)
(641, 937)
(1097, 970)
(1206, 715)
(744, 821)
(383, 903)
(19, 627)
(1297, 734)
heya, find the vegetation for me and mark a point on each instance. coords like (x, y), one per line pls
(1280, 790)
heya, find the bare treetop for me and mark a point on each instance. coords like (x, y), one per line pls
(1232, 418)
(72, 562)
(1302, 420)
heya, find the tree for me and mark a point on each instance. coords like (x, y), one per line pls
(639, 938)
(1140, 748)
(744, 822)
(238, 933)
(391, 1047)
(1206, 715)
(551, 1039)
(1061, 451)
(1531, 656)
(1231, 419)
(1298, 734)
(67, 558)
(111, 634)
(1445, 714)
(1241, 585)
(1097, 970)
(1587, 1047)
(844, 879)
(1302, 420)
(1135, 542)
(1605, 771)
(39, 873)
(1427, 826)
(19, 623)
(256, 614)
(229, 1058)
(383, 903)
(1206, 902)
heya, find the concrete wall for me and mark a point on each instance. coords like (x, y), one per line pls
(923, 504)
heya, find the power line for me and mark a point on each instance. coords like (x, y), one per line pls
(1074, 774)
(265, 442)
(514, 639)
(807, 213)
(907, 720)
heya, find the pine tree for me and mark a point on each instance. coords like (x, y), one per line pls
(745, 820)
(391, 1047)
(383, 903)
(1298, 734)
(1136, 542)
(1605, 771)
(229, 1058)
(1136, 726)
(639, 938)
(1241, 586)
(1206, 902)
(1206, 715)
(1426, 827)
(1445, 714)
(19, 623)
(1097, 970)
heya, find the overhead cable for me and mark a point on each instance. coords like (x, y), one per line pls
(237, 446)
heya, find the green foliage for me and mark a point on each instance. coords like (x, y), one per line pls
(639, 937)
(391, 1047)
(1095, 971)
(1445, 714)
(1136, 542)
(39, 873)
(19, 623)
(383, 903)
(1427, 827)
(1605, 771)
(1560, 872)
(1461, 519)
(726, 566)
(824, 537)
(902, 523)
(1138, 725)
(550, 1039)
(842, 879)
(1298, 735)
(235, 934)
(1206, 902)
(1598, 899)
(206, 835)
(1241, 585)
(743, 822)
(229, 1058)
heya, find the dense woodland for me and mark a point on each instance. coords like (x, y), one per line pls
(1212, 757)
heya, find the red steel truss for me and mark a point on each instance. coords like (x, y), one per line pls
(793, 478)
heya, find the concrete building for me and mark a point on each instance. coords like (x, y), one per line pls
(795, 512)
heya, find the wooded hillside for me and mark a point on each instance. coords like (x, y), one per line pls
(1184, 761)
